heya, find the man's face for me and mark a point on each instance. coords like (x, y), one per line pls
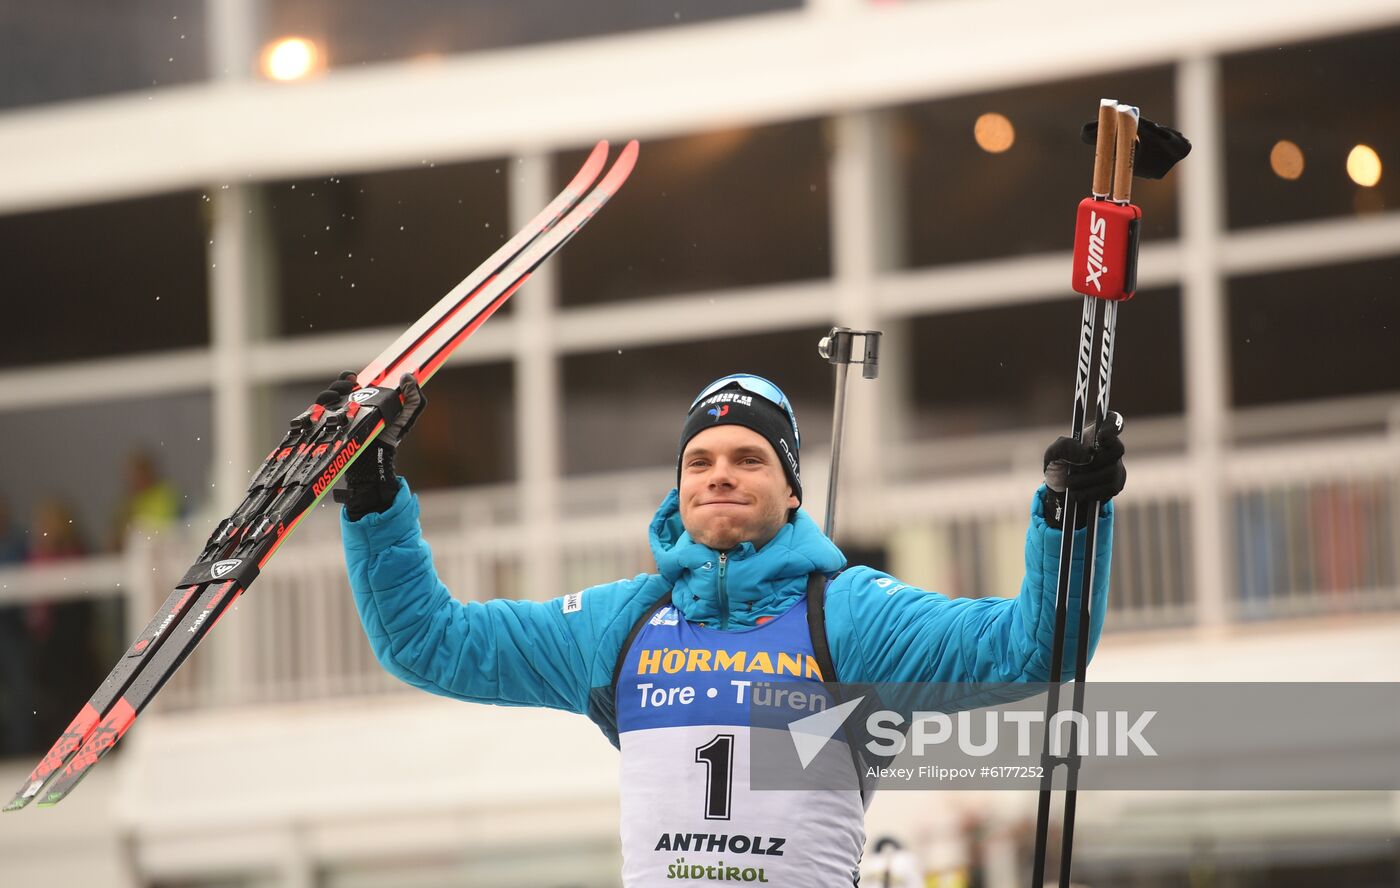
(732, 488)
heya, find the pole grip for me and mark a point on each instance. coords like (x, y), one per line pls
(1123, 159)
(1103, 148)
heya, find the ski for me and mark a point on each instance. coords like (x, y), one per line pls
(320, 444)
(378, 369)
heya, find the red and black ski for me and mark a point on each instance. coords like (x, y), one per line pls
(319, 446)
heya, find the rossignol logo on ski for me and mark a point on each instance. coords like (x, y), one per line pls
(363, 395)
(342, 459)
(222, 568)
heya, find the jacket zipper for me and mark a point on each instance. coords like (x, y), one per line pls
(723, 595)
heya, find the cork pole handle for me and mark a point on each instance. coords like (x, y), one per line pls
(1103, 148)
(1123, 160)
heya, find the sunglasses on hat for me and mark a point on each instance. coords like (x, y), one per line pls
(754, 385)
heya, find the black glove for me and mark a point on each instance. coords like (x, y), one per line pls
(413, 402)
(1088, 475)
(344, 384)
(371, 479)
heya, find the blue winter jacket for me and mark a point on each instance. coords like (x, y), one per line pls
(562, 653)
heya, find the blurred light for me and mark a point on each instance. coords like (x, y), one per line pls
(1286, 160)
(290, 58)
(994, 133)
(1364, 166)
(706, 149)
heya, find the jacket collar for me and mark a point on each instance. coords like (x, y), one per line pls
(755, 581)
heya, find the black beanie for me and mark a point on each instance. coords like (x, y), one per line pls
(734, 405)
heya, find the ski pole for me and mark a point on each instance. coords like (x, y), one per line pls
(1122, 189)
(837, 347)
(1105, 272)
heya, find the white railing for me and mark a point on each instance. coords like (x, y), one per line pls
(78, 578)
(1316, 528)
(965, 537)
(296, 635)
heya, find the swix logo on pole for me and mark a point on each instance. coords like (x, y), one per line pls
(1086, 349)
(342, 458)
(1094, 268)
(1110, 320)
(1104, 256)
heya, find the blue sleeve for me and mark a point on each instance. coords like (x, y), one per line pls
(881, 630)
(512, 653)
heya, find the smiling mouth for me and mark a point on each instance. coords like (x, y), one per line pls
(723, 503)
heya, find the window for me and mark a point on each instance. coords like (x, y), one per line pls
(720, 209)
(1293, 115)
(1014, 367)
(70, 49)
(1315, 333)
(965, 203)
(376, 249)
(106, 279)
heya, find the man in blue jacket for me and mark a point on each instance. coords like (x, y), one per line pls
(661, 662)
